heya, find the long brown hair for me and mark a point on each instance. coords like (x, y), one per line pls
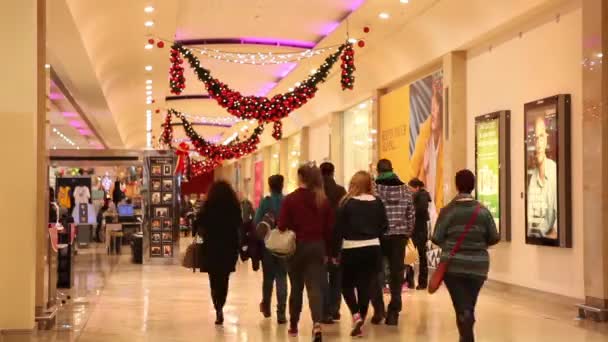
(360, 184)
(310, 175)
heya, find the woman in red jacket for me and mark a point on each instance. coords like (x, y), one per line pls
(308, 214)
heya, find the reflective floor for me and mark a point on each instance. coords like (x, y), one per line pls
(114, 300)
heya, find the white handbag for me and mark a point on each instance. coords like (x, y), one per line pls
(280, 243)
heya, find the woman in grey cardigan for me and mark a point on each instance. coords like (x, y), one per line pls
(468, 269)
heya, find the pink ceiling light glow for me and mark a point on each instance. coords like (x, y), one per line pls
(76, 124)
(85, 132)
(69, 114)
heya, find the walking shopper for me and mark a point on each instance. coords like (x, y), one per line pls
(273, 268)
(468, 268)
(218, 223)
(422, 198)
(398, 201)
(360, 223)
(332, 275)
(307, 213)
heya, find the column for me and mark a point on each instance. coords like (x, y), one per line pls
(374, 128)
(595, 157)
(284, 158)
(454, 119)
(266, 157)
(23, 113)
(336, 152)
(304, 145)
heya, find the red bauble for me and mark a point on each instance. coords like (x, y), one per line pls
(361, 43)
(157, 111)
(161, 44)
(366, 29)
(151, 41)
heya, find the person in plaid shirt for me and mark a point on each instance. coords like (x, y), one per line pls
(399, 203)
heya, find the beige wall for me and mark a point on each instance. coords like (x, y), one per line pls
(545, 61)
(318, 141)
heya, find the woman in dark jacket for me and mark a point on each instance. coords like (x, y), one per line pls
(468, 269)
(218, 223)
(360, 223)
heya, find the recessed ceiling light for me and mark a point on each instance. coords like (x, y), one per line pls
(352, 40)
(600, 55)
(149, 92)
(150, 9)
(148, 81)
(148, 87)
(149, 98)
(404, 1)
(148, 68)
(384, 15)
(149, 23)
(48, 66)
(148, 46)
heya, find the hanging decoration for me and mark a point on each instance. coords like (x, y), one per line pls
(348, 67)
(182, 151)
(262, 109)
(277, 130)
(200, 167)
(215, 152)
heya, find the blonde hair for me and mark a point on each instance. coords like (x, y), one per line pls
(360, 183)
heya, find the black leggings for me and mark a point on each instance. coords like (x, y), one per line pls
(219, 289)
(464, 291)
(360, 266)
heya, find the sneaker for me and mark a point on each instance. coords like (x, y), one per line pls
(317, 335)
(357, 324)
(265, 310)
(293, 330)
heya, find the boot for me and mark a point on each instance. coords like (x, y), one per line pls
(281, 318)
(265, 309)
(378, 317)
(465, 322)
(219, 317)
(392, 318)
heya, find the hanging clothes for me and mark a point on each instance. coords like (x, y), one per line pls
(63, 197)
(81, 194)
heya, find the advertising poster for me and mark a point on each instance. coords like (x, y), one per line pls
(487, 164)
(542, 150)
(411, 136)
(258, 182)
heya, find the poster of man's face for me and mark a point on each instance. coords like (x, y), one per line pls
(541, 129)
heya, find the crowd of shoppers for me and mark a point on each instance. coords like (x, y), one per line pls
(343, 239)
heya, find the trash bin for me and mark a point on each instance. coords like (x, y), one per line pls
(137, 246)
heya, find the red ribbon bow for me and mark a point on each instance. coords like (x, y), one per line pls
(182, 156)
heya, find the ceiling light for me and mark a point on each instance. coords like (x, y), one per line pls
(149, 112)
(313, 71)
(600, 55)
(149, 98)
(48, 66)
(384, 15)
(150, 9)
(404, 1)
(148, 81)
(148, 87)
(363, 105)
(149, 23)
(352, 40)
(148, 101)
(290, 89)
(148, 68)
(148, 46)
(149, 92)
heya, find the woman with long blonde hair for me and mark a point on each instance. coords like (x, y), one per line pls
(361, 221)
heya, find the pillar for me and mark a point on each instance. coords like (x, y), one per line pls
(595, 157)
(454, 119)
(22, 142)
(266, 157)
(304, 145)
(336, 137)
(284, 158)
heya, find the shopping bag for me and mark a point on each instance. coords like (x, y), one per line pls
(411, 253)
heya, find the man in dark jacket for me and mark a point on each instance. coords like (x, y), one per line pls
(422, 198)
(398, 200)
(333, 286)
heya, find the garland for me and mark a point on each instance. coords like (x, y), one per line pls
(262, 109)
(214, 152)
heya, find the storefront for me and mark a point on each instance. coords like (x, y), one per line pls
(293, 161)
(357, 139)
(275, 159)
(318, 141)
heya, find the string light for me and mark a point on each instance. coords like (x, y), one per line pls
(68, 140)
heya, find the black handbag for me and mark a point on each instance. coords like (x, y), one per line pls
(194, 256)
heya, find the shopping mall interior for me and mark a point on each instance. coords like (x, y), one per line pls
(129, 111)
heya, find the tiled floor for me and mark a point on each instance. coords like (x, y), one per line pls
(117, 301)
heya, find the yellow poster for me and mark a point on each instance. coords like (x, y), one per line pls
(410, 134)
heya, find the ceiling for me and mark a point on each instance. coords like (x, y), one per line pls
(97, 50)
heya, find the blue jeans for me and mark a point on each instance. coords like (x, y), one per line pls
(274, 269)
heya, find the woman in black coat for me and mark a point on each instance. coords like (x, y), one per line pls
(218, 223)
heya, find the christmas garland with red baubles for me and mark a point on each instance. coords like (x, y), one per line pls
(215, 152)
(260, 108)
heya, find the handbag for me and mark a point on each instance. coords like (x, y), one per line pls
(281, 243)
(268, 222)
(411, 253)
(437, 277)
(193, 256)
